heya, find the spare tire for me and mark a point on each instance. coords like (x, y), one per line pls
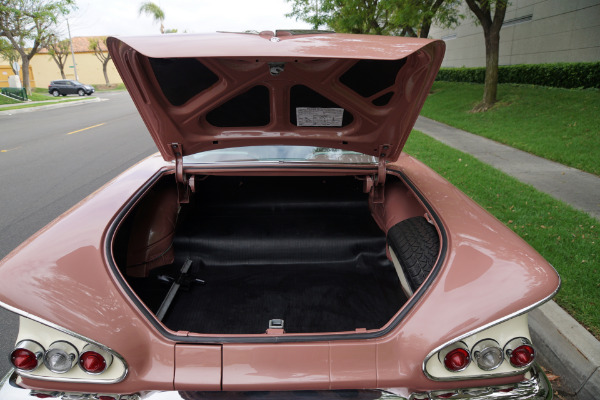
(416, 244)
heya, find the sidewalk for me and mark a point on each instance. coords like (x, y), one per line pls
(577, 188)
(567, 348)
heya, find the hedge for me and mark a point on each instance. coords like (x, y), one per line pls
(565, 75)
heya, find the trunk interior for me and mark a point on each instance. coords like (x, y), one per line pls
(305, 250)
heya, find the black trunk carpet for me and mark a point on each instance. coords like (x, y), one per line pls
(303, 249)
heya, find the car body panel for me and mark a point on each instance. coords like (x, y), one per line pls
(238, 63)
(72, 285)
(197, 367)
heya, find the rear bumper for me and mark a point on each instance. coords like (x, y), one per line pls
(535, 388)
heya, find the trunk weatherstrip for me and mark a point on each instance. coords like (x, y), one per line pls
(274, 339)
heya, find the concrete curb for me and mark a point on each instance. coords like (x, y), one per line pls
(49, 106)
(568, 349)
(563, 345)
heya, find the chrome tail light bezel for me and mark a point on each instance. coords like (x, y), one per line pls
(513, 345)
(31, 346)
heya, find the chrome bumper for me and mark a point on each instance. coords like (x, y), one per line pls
(535, 388)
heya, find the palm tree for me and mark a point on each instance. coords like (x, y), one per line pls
(153, 10)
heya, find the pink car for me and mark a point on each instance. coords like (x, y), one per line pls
(281, 245)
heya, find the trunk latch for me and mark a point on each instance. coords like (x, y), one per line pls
(183, 187)
(275, 327)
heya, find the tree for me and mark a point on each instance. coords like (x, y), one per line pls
(443, 12)
(153, 10)
(380, 17)
(491, 31)
(9, 53)
(59, 50)
(27, 25)
(98, 46)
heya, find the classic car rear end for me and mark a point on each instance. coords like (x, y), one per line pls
(282, 244)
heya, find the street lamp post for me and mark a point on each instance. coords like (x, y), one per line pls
(72, 52)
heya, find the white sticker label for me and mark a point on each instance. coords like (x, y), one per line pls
(313, 116)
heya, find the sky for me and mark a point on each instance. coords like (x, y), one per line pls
(121, 17)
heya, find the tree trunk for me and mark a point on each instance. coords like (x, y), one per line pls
(62, 73)
(25, 69)
(425, 29)
(408, 31)
(104, 65)
(492, 48)
(491, 31)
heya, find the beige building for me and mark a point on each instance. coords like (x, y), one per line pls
(89, 67)
(44, 69)
(6, 71)
(534, 32)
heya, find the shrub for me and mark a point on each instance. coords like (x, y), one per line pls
(565, 75)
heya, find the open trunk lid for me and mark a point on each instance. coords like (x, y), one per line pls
(203, 92)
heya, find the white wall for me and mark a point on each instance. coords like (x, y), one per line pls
(557, 31)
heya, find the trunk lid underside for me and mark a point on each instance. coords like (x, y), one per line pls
(352, 92)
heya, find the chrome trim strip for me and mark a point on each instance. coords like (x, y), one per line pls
(71, 333)
(535, 388)
(482, 328)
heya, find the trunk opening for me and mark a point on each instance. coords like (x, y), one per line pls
(305, 250)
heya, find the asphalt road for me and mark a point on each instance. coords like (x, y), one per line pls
(51, 159)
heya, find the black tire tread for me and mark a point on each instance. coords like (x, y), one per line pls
(416, 244)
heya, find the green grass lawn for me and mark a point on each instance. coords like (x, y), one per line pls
(567, 238)
(8, 100)
(558, 124)
(38, 94)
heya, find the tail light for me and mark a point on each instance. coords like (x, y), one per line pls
(522, 356)
(60, 357)
(27, 355)
(457, 357)
(520, 352)
(488, 354)
(94, 360)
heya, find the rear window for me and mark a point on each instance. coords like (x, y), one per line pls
(308, 154)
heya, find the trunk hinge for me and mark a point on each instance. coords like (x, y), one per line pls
(375, 185)
(183, 186)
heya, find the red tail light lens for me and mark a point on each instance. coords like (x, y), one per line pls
(457, 359)
(24, 359)
(27, 355)
(92, 362)
(520, 352)
(94, 359)
(522, 356)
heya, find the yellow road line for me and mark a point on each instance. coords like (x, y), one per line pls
(7, 150)
(85, 129)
